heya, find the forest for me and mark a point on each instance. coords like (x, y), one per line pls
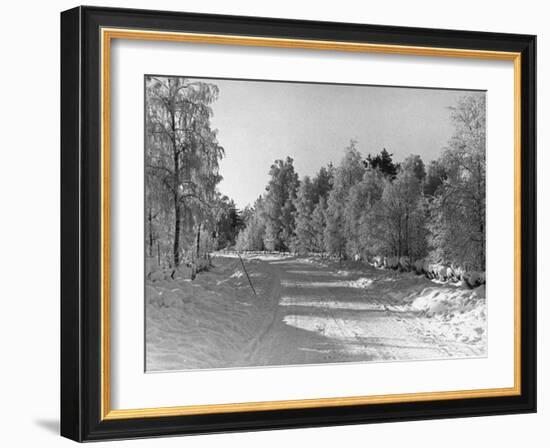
(370, 208)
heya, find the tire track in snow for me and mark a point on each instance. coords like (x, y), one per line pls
(383, 330)
(370, 340)
(341, 343)
(331, 316)
(272, 299)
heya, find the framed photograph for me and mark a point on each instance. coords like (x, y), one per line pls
(272, 223)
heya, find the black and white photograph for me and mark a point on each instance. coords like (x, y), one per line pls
(291, 223)
(275, 219)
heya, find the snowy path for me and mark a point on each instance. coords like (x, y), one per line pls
(308, 311)
(343, 322)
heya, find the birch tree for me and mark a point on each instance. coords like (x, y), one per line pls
(349, 172)
(182, 152)
(458, 212)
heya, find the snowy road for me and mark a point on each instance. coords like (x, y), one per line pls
(323, 315)
(309, 311)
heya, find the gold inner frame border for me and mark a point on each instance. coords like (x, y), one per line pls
(107, 36)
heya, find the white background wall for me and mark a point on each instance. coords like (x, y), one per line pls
(29, 181)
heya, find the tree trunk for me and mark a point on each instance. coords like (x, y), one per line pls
(482, 246)
(198, 240)
(406, 253)
(177, 205)
(150, 221)
(399, 238)
(481, 214)
(481, 230)
(158, 253)
(177, 230)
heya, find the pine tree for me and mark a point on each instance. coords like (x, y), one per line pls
(384, 163)
(252, 236)
(228, 223)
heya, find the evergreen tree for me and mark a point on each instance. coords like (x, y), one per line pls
(384, 163)
(252, 236)
(228, 223)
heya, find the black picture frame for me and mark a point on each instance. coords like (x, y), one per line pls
(81, 224)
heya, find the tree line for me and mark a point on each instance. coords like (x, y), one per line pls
(373, 206)
(361, 207)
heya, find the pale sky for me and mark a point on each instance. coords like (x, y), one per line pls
(259, 122)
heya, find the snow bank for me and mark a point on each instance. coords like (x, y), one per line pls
(447, 300)
(457, 314)
(205, 323)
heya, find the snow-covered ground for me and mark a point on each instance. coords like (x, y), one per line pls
(307, 310)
